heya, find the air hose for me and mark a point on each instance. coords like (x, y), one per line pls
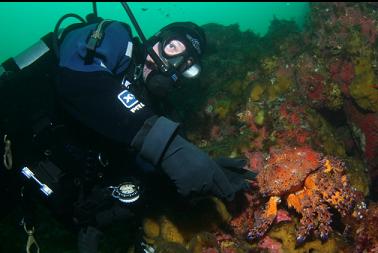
(57, 27)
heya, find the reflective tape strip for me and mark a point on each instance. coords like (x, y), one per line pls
(129, 50)
(31, 54)
(7, 157)
(29, 174)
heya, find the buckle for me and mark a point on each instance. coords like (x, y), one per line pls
(138, 72)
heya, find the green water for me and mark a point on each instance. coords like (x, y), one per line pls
(22, 24)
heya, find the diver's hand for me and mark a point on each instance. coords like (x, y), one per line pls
(235, 168)
(227, 162)
(190, 168)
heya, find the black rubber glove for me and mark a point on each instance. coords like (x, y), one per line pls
(235, 169)
(191, 169)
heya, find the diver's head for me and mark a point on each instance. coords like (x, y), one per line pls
(180, 45)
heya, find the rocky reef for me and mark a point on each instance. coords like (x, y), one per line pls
(302, 107)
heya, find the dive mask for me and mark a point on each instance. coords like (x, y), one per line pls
(186, 62)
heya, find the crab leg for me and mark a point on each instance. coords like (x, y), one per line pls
(263, 221)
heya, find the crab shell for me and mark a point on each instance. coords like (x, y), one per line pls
(287, 169)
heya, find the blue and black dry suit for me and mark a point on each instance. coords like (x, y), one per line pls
(91, 92)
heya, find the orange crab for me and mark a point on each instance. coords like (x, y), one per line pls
(309, 183)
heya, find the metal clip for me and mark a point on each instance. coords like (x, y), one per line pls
(138, 72)
(31, 240)
(7, 157)
(97, 35)
(102, 161)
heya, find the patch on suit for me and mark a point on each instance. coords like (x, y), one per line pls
(130, 101)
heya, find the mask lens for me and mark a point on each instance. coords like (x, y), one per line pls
(173, 48)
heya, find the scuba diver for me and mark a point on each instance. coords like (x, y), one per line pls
(109, 144)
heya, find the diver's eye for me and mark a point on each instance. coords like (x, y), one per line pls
(171, 46)
(174, 47)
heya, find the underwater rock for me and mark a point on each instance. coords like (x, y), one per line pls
(255, 134)
(243, 209)
(204, 242)
(363, 88)
(169, 231)
(341, 37)
(311, 80)
(344, 134)
(333, 23)
(282, 38)
(342, 72)
(259, 120)
(202, 216)
(364, 126)
(256, 92)
(358, 175)
(316, 85)
(337, 63)
(365, 232)
(271, 245)
(170, 247)
(296, 124)
(290, 124)
(269, 65)
(285, 233)
(151, 229)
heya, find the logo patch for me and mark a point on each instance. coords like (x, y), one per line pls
(195, 43)
(130, 101)
(127, 99)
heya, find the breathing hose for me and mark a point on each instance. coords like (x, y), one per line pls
(56, 30)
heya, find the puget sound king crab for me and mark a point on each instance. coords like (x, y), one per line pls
(310, 183)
